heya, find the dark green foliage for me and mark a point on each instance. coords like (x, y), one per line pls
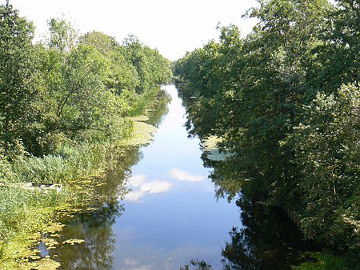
(339, 54)
(17, 78)
(292, 147)
(327, 261)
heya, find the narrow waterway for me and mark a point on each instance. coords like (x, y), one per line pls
(171, 216)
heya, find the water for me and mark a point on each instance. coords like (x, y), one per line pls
(171, 215)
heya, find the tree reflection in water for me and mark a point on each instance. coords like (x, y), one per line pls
(265, 240)
(95, 226)
(268, 241)
(162, 109)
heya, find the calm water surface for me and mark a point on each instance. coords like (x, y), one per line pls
(171, 215)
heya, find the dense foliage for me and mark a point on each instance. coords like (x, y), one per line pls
(70, 88)
(285, 101)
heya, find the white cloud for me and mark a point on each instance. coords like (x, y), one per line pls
(137, 180)
(141, 187)
(156, 187)
(136, 265)
(131, 262)
(185, 176)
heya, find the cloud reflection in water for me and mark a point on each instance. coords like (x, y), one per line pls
(185, 176)
(141, 187)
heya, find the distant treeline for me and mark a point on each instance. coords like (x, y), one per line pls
(286, 101)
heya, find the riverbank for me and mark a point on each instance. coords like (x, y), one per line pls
(29, 217)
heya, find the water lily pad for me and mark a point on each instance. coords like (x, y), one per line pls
(74, 241)
(50, 243)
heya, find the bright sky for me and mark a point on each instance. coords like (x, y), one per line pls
(173, 27)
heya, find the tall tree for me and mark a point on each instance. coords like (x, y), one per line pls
(17, 76)
(327, 150)
(62, 35)
(123, 74)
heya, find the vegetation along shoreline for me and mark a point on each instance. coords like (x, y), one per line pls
(69, 109)
(285, 101)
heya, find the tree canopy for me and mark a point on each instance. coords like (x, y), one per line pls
(70, 88)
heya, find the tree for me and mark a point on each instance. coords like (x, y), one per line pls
(151, 67)
(339, 54)
(327, 151)
(255, 92)
(17, 76)
(63, 36)
(123, 74)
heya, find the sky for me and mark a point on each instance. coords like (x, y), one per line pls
(171, 26)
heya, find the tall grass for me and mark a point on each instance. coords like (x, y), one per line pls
(18, 205)
(24, 211)
(68, 163)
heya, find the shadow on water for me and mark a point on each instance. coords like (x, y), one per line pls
(269, 241)
(95, 229)
(265, 239)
